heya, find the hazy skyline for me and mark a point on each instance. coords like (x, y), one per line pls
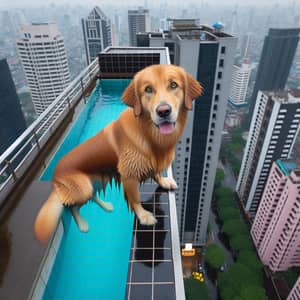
(22, 3)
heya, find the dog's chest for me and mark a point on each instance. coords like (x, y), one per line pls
(134, 164)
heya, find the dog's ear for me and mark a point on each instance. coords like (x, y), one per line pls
(193, 89)
(131, 98)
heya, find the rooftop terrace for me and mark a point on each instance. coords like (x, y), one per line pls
(154, 265)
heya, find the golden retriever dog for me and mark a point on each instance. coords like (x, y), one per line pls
(137, 146)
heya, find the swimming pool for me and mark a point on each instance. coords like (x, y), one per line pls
(93, 265)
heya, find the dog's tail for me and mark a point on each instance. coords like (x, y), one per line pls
(48, 218)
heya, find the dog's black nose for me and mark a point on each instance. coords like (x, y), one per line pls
(163, 110)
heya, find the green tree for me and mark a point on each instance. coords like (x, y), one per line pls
(241, 242)
(224, 193)
(219, 177)
(290, 276)
(249, 259)
(229, 213)
(225, 203)
(234, 227)
(235, 279)
(251, 292)
(195, 290)
(214, 256)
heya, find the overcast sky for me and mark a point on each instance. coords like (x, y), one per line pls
(22, 3)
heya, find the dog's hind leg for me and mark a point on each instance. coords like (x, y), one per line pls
(74, 190)
(107, 206)
(81, 223)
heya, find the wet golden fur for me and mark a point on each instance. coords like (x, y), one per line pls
(130, 149)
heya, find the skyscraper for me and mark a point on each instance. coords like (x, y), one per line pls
(239, 84)
(207, 53)
(275, 62)
(273, 131)
(97, 33)
(12, 122)
(138, 21)
(276, 227)
(43, 56)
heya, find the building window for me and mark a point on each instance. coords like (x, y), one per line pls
(223, 49)
(218, 86)
(219, 75)
(221, 63)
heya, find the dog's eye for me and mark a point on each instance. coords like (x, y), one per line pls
(173, 85)
(149, 89)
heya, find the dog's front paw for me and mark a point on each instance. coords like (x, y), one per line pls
(168, 183)
(147, 218)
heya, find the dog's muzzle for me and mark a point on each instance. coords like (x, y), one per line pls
(165, 125)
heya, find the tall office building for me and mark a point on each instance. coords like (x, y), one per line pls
(138, 21)
(273, 131)
(295, 292)
(43, 56)
(239, 84)
(12, 122)
(97, 33)
(276, 227)
(275, 62)
(206, 53)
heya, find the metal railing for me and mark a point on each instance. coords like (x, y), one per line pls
(16, 160)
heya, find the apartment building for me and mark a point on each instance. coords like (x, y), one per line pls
(273, 131)
(276, 227)
(42, 53)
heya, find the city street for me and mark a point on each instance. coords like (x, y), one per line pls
(229, 181)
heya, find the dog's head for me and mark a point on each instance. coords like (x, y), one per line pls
(162, 91)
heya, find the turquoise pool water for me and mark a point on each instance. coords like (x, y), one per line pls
(93, 265)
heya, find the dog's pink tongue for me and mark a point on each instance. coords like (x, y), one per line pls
(166, 128)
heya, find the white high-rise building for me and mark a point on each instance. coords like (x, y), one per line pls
(239, 83)
(97, 33)
(273, 131)
(207, 53)
(138, 21)
(43, 56)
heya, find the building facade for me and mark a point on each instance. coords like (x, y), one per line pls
(295, 292)
(12, 122)
(273, 132)
(276, 227)
(239, 84)
(138, 21)
(97, 33)
(275, 62)
(208, 55)
(43, 56)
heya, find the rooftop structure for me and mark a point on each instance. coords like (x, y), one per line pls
(145, 260)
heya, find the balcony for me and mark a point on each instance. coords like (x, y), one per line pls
(118, 258)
